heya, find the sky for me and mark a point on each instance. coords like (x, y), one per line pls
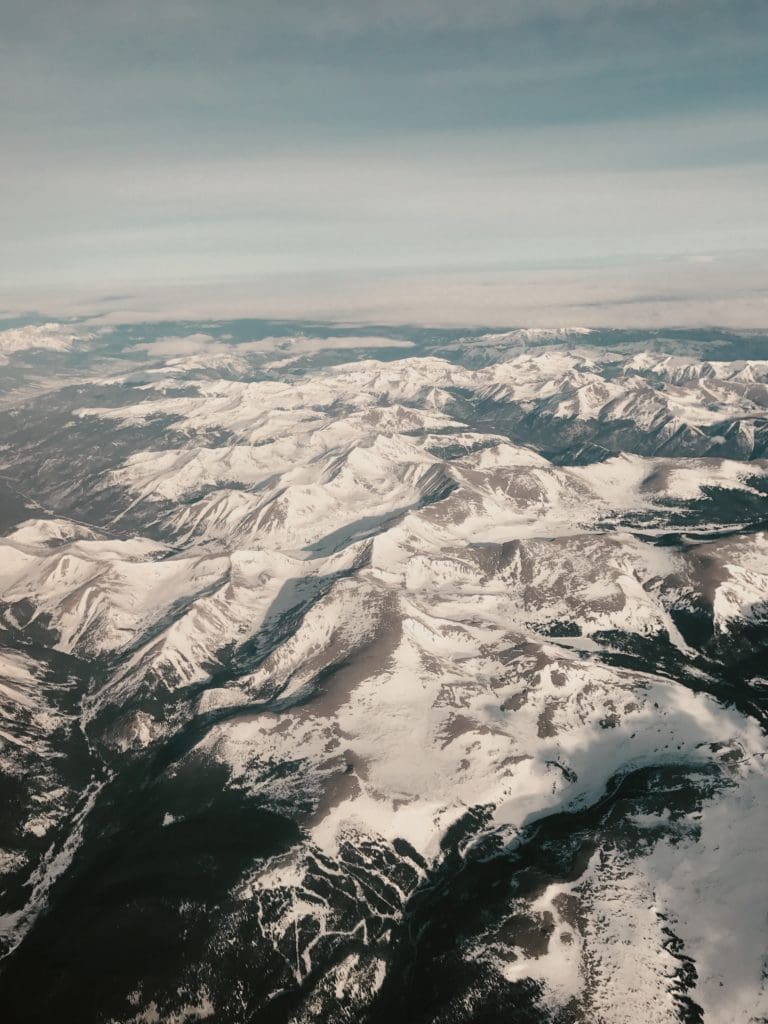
(527, 161)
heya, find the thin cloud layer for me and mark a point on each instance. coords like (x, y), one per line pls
(195, 143)
(174, 346)
(682, 291)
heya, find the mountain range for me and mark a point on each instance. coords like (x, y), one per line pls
(348, 674)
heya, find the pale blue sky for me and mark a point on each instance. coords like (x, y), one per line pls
(205, 143)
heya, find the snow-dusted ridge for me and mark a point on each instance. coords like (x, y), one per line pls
(51, 337)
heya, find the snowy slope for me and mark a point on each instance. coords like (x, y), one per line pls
(425, 686)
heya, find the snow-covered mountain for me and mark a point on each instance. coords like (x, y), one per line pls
(406, 674)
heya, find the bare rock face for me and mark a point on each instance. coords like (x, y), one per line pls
(421, 677)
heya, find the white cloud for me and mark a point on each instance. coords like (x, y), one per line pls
(695, 289)
(290, 348)
(303, 345)
(178, 345)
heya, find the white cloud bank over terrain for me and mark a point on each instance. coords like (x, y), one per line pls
(701, 291)
(195, 344)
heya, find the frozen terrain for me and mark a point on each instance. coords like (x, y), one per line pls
(402, 674)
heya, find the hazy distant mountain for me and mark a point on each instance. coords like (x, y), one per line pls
(402, 674)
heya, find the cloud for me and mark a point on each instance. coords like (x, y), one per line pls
(179, 345)
(454, 208)
(292, 349)
(303, 345)
(694, 289)
(206, 345)
(190, 140)
(336, 18)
